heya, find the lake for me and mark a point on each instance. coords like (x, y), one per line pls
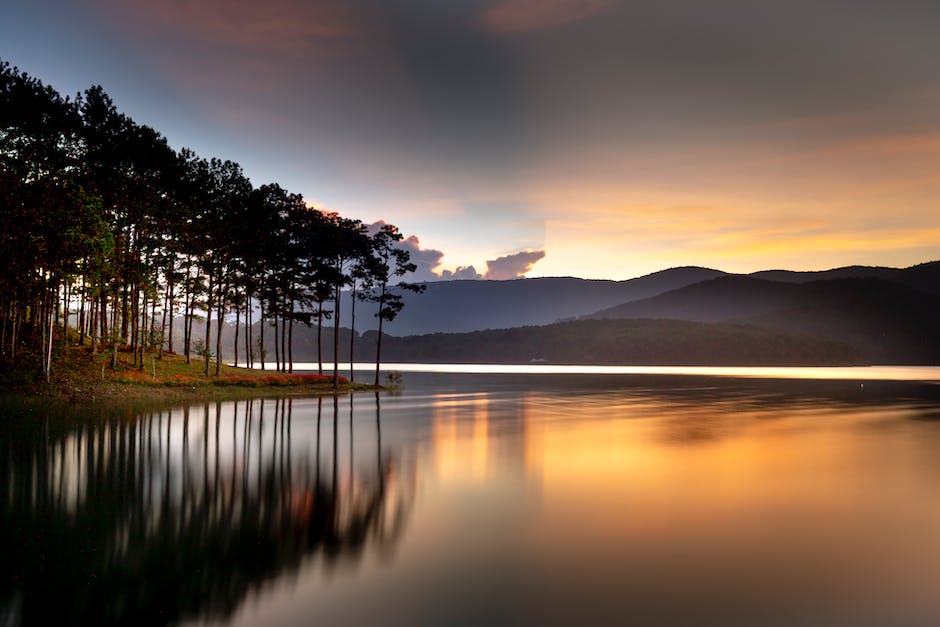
(484, 498)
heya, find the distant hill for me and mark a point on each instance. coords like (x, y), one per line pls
(625, 342)
(732, 297)
(924, 277)
(458, 306)
(887, 321)
(884, 320)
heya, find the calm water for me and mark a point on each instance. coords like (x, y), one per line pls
(473, 499)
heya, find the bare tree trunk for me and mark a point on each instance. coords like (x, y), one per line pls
(238, 318)
(320, 338)
(54, 313)
(290, 339)
(81, 314)
(284, 343)
(166, 306)
(188, 312)
(277, 346)
(103, 317)
(261, 356)
(378, 342)
(114, 329)
(220, 319)
(16, 324)
(134, 328)
(42, 337)
(170, 306)
(249, 357)
(208, 341)
(336, 319)
(65, 317)
(352, 332)
(143, 333)
(93, 322)
(124, 312)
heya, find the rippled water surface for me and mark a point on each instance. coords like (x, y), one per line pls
(471, 499)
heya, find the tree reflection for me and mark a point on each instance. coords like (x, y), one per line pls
(175, 515)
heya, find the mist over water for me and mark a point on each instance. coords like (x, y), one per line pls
(484, 499)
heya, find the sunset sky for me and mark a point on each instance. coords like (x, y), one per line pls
(617, 137)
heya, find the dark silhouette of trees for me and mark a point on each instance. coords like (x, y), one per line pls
(390, 262)
(108, 236)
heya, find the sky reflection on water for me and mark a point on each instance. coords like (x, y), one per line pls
(501, 499)
(856, 373)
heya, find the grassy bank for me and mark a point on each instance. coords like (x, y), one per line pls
(78, 374)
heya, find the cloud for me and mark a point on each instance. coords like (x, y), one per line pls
(461, 273)
(428, 260)
(512, 266)
(524, 15)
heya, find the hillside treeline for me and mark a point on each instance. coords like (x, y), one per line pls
(609, 342)
(107, 234)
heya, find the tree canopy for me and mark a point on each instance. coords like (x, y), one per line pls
(108, 234)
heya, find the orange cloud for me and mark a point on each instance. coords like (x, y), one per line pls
(523, 15)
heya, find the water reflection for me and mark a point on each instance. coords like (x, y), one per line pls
(486, 499)
(183, 513)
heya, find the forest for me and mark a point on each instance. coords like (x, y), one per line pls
(108, 235)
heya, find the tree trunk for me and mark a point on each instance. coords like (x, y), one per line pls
(352, 332)
(249, 357)
(103, 318)
(220, 319)
(261, 351)
(54, 314)
(378, 341)
(290, 340)
(124, 313)
(81, 314)
(141, 342)
(320, 338)
(114, 329)
(336, 337)
(134, 311)
(65, 317)
(284, 343)
(208, 342)
(238, 317)
(249, 351)
(277, 346)
(170, 307)
(166, 306)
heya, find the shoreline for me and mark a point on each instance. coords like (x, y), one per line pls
(85, 377)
